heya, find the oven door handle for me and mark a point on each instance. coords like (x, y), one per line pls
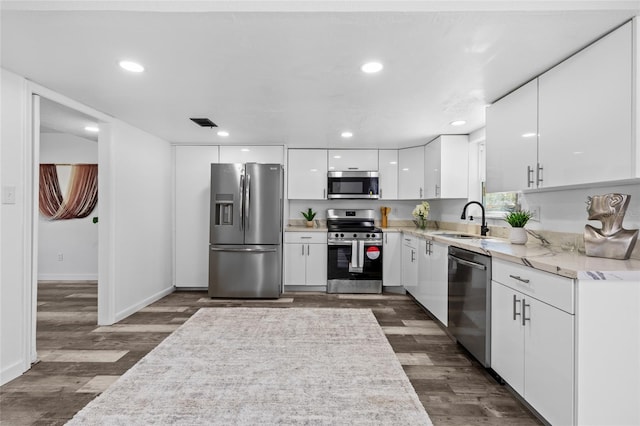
(355, 254)
(468, 263)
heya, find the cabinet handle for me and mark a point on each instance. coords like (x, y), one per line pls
(437, 190)
(413, 253)
(386, 238)
(515, 303)
(539, 175)
(305, 238)
(420, 192)
(308, 249)
(524, 312)
(380, 192)
(517, 277)
(529, 176)
(324, 193)
(353, 168)
(303, 249)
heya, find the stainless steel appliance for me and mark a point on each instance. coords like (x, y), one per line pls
(245, 252)
(354, 252)
(469, 317)
(353, 184)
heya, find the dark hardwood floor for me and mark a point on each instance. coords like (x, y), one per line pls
(78, 359)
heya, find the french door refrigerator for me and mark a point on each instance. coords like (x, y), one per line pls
(245, 232)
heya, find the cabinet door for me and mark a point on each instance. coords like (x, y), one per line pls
(507, 337)
(192, 180)
(392, 259)
(512, 140)
(252, 154)
(424, 271)
(438, 288)
(453, 179)
(316, 264)
(411, 173)
(352, 159)
(548, 362)
(586, 114)
(409, 265)
(432, 152)
(295, 270)
(388, 169)
(307, 175)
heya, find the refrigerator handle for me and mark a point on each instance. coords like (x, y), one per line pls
(247, 212)
(241, 202)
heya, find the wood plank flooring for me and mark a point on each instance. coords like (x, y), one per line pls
(78, 359)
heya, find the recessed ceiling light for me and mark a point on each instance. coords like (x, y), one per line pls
(393, 162)
(406, 169)
(313, 170)
(337, 156)
(529, 135)
(458, 123)
(92, 129)
(131, 66)
(223, 133)
(245, 150)
(346, 135)
(371, 67)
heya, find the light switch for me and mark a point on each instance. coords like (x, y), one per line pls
(8, 194)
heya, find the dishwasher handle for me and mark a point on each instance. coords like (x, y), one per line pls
(468, 263)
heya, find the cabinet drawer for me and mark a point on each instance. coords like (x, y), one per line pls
(549, 288)
(306, 237)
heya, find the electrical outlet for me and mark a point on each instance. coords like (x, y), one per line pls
(60, 257)
(8, 194)
(536, 213)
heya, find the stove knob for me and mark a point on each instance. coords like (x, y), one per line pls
(336, 235)
(355, 235)
(341, 235)
(369, 235)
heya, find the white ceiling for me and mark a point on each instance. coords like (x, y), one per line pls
(288, 72)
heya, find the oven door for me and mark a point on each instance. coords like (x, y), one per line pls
(350, 185)
(354, 267)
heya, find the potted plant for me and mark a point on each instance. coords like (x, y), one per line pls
(518, 219)
(420, 213)
(309, 215)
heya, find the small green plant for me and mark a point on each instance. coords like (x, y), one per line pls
(518, 219)
(309, 214)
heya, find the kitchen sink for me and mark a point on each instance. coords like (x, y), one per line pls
(458, 236)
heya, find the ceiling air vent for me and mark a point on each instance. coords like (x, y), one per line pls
(204, 122)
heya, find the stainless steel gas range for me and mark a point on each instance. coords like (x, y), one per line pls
(354, 252)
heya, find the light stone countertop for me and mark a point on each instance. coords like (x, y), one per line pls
(545, 258)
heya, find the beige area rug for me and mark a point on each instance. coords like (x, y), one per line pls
(263, 366)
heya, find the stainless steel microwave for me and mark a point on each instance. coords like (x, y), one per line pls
(353, 184)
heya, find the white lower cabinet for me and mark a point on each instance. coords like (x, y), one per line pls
(410, 264)
(433, 278)
(305, 258)
(532, 338)
(392, 259)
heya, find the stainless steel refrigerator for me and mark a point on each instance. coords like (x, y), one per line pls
(245, 233)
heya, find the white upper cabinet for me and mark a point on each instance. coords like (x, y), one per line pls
(411, 173)
(252, 154)
(192, 186)
(307, 174)
(446, 167)
(340, 160)
(388, 169)
(512, 140)
(585, 121)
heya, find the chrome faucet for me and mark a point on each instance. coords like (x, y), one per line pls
(483, 227)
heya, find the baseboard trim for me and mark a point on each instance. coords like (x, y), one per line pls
(67, 277)
(11, 372)
(146, 302)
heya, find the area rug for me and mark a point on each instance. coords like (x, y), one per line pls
(264, 366)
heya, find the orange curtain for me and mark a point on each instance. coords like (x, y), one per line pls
(81, 197)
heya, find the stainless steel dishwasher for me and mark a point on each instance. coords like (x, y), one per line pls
(469, 318)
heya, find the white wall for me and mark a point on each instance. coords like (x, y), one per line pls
(135, 217)
(14, 220)
(75, 239)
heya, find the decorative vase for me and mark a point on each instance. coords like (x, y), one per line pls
(518, 236)
(309, 224)
(421, 222)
